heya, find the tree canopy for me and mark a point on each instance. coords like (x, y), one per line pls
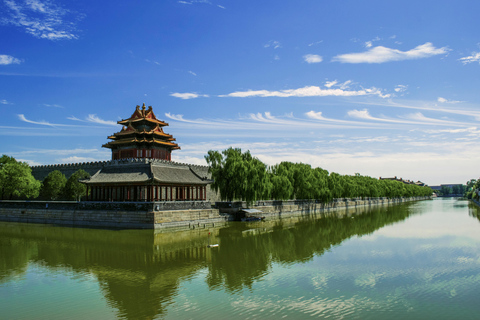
(74, 189)
(239, 176)
(53, 185)
(16, 179)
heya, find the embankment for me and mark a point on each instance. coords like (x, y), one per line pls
(181, 214)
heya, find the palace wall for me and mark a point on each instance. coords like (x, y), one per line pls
(41, 172)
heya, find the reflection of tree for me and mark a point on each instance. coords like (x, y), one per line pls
(244, 257)
(474, 211)
(139, 271)
(14, 257)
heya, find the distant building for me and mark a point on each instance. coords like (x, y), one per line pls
(418, 183)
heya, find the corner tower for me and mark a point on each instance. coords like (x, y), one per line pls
(142, 136)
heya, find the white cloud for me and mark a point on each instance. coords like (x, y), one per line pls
(192, 73)
(52, 105)
(188, 95)
(401, 88)
(42, 19)
(312, 58)
(443, 100)
(309, 91)
(329, 84)
(43, 122)
(368, 44)
(153, 61)
(315, 43)
(475, 57)
(272, 44)
(6, 59)
(5, 102)
(382, 54)
(93, 118)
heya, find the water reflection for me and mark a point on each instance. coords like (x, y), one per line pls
(140, 272)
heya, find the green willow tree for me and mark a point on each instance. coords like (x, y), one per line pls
(16, 179)
(239, 176)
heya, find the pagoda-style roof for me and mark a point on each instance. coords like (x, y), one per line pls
(135, 141)
(140, 130)
(143, 115)
(145, 170)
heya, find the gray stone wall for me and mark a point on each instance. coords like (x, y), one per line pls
(277, 209)
(41, 172)
(126, 215)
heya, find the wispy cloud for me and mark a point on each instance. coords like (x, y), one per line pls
(52, 105)
(401, 88)
(188, 95)
(312, 58)
(42, 19)
(382, 54)
(42, 122)
(272, 44)
(3, 101)
(93, 118)
(309, 91)
(475, 57)
(443, 100)
(410, 119)
(315, 43)
(6, 60)
(192, 73)
(152, 61)
(428, 106)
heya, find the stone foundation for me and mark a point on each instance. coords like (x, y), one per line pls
(288, 208)
(180, 215)
(122, 215)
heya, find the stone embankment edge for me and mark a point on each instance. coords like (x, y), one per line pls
(131, 216)
(292, 208)
(178, 219)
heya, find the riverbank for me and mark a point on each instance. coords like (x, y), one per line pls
(273, 209)
(174, 215)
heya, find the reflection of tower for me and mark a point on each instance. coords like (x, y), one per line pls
(141, 278)
(139, 271)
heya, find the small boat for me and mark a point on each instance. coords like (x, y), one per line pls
(212, 245)
(249, 215)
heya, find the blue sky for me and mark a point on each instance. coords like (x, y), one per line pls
(382, 88)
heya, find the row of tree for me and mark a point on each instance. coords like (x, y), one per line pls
(238, 175)
(17, 182)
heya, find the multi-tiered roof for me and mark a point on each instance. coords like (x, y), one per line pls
(142, 136)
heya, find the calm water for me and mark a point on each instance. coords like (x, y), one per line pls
(415, 261)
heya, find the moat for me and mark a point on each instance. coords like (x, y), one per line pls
(418, 260)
